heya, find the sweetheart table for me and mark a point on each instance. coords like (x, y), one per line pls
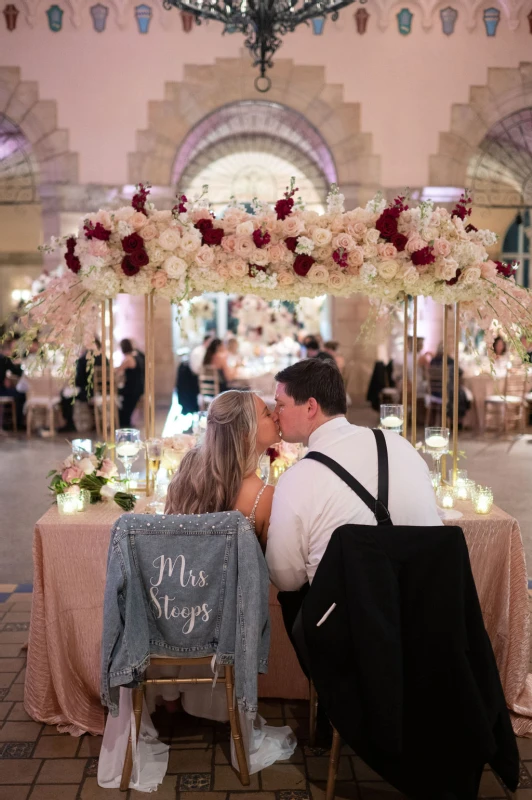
(70, 554)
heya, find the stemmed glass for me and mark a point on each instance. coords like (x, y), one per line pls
(392, 418)
(437, 443)
(154, 450)
(128, 446)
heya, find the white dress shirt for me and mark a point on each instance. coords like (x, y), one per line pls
(310, 501)
(195, 360)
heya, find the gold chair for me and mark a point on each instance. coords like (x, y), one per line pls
(433, 400)
(209, 386)
(508, 410)
(336, 746)
(96, 400)
(234, 721)
(42, 396)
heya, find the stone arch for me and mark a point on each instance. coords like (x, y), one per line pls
(508, 91)
(206, 88)
(37, 120)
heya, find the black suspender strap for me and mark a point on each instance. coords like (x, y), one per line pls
(379, 506)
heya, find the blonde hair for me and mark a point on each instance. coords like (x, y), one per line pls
(210, 475)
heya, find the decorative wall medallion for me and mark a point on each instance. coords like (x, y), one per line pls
(55, 18)
(491, 18)
(187, 21)
(143, 16)
(529, 18)
(361, 19)
(11, 14)
(99, 14)
(318, 24)
(404, 21)
(448, 20)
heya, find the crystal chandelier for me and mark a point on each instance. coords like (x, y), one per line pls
(263, 22)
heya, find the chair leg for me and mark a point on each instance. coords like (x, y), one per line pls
(138, 698)
(14, 416)
(313, 712)
(333, 765)
(236, 731)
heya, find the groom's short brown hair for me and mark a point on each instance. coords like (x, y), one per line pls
(315, 378)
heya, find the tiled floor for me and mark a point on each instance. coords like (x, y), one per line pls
(37, 763)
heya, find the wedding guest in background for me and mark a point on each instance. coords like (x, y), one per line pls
(197, 354)
(216, 359)
(499, 348)
(314, 350)
(84, 386)
(131, 371)
(10, 373)
(234, 358)
(332, 349)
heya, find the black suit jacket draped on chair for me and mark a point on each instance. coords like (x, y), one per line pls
(403, 665)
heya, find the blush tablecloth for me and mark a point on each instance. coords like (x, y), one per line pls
(70, 556)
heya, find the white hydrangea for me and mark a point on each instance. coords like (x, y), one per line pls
(368, 272)
(266, 281)
(124, 229)
(305, 246)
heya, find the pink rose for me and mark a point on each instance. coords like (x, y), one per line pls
(72, 474)
(387, 250)
(223, 271)
(104, 218)
(107, 469)
(138, 220)
(415, 243)
(150, 232)
(337, 224)
(98, 249)
(237, 268)
(228, 243)
(205, 256)
(199, 213)
(358, 229)
(488, 270)
(159, 280)
(244, 246)
(442, 247)
(355, 258)
(344, 241)
(277, 253)
(232, 218)
(285, 278)
(292, 226)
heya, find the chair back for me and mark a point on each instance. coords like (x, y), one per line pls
(209, 382)
(515, 382)
(44, 386)
(97, 382)
(435, 381)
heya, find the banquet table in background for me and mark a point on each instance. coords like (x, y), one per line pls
(70, 556)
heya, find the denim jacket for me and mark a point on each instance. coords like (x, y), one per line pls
(184, 586)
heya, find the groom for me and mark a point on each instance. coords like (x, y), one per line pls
(310, 501)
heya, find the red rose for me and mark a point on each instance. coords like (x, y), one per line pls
(506, 270)
(139, 258)
(72, 262)
(455, 279)
(132, 243)
(421, 258)
(273, 453)
(340, 257)
(213, 235)
(128, 268)
(203, 224)
(96, 232)
(283, 208)
(399, 241)
(387, 224)
(302, 264)
(71, 244)
(291, 243)
(261, 239)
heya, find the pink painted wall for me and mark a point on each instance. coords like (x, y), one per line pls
(406, 84)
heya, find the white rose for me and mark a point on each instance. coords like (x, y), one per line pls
(245, 228)
(175, 267)
(205, 256)
(370, 250)
(469, 276)
(372, 236)
(337, 280)
(190, 241)
(87, 466)
(169, 239)
(292, 226)
(124, 213)
(318, 274)
(285, 278)
(410, 276)
(321, 236)
(388, 269)
(237, 268)
(260, 257)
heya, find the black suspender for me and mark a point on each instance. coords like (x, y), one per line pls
(378, 506)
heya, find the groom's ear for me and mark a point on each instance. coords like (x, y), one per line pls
(313, 407)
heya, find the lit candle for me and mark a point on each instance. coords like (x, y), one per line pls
(436, 441)
(391, 422)
(68, 503)
(127, 449)
(483, 500)
(445, 496)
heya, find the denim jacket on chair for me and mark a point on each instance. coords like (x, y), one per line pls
(184, 586)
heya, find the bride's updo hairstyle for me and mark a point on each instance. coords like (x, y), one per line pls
(210, 476)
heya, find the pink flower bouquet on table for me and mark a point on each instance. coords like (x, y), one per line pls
(95, 473)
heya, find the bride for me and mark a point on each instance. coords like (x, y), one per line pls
(220, 473)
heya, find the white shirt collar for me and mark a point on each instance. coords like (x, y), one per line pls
(324, 431)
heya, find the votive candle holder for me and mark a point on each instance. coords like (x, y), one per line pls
(67, 504)
(84, 499)
(483, 500)
(445, 496)
(465, 489)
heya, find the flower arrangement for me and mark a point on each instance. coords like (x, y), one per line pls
(383, 251)
(271, 321)
(283, 455)
(95, 473)
(174, 448)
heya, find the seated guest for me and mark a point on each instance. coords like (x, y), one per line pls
(131, 371)
(311, 408)
(314, 351)
(197, 354)
(499, 348)
(220, 474)
(332, 349)
(10, 373)
(233, 353)
(84, 386)
(216, 359)
(464, 403)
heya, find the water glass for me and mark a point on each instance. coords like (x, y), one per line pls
(392, 418)
(81, 448)
(128, 446)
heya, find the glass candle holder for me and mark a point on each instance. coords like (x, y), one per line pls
(81, 448)
(67, 504)
(445, 495)
(464, 489)
(437, 443)
(483, 500)
(461, 476)
(435, 478)
(84, 499)
(392, 418)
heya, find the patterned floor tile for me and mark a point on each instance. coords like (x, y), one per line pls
(16, 749)
(16, 626)
(92, 767)
(195, 782)
(3, 694)
(525, 779)
(294, 794)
